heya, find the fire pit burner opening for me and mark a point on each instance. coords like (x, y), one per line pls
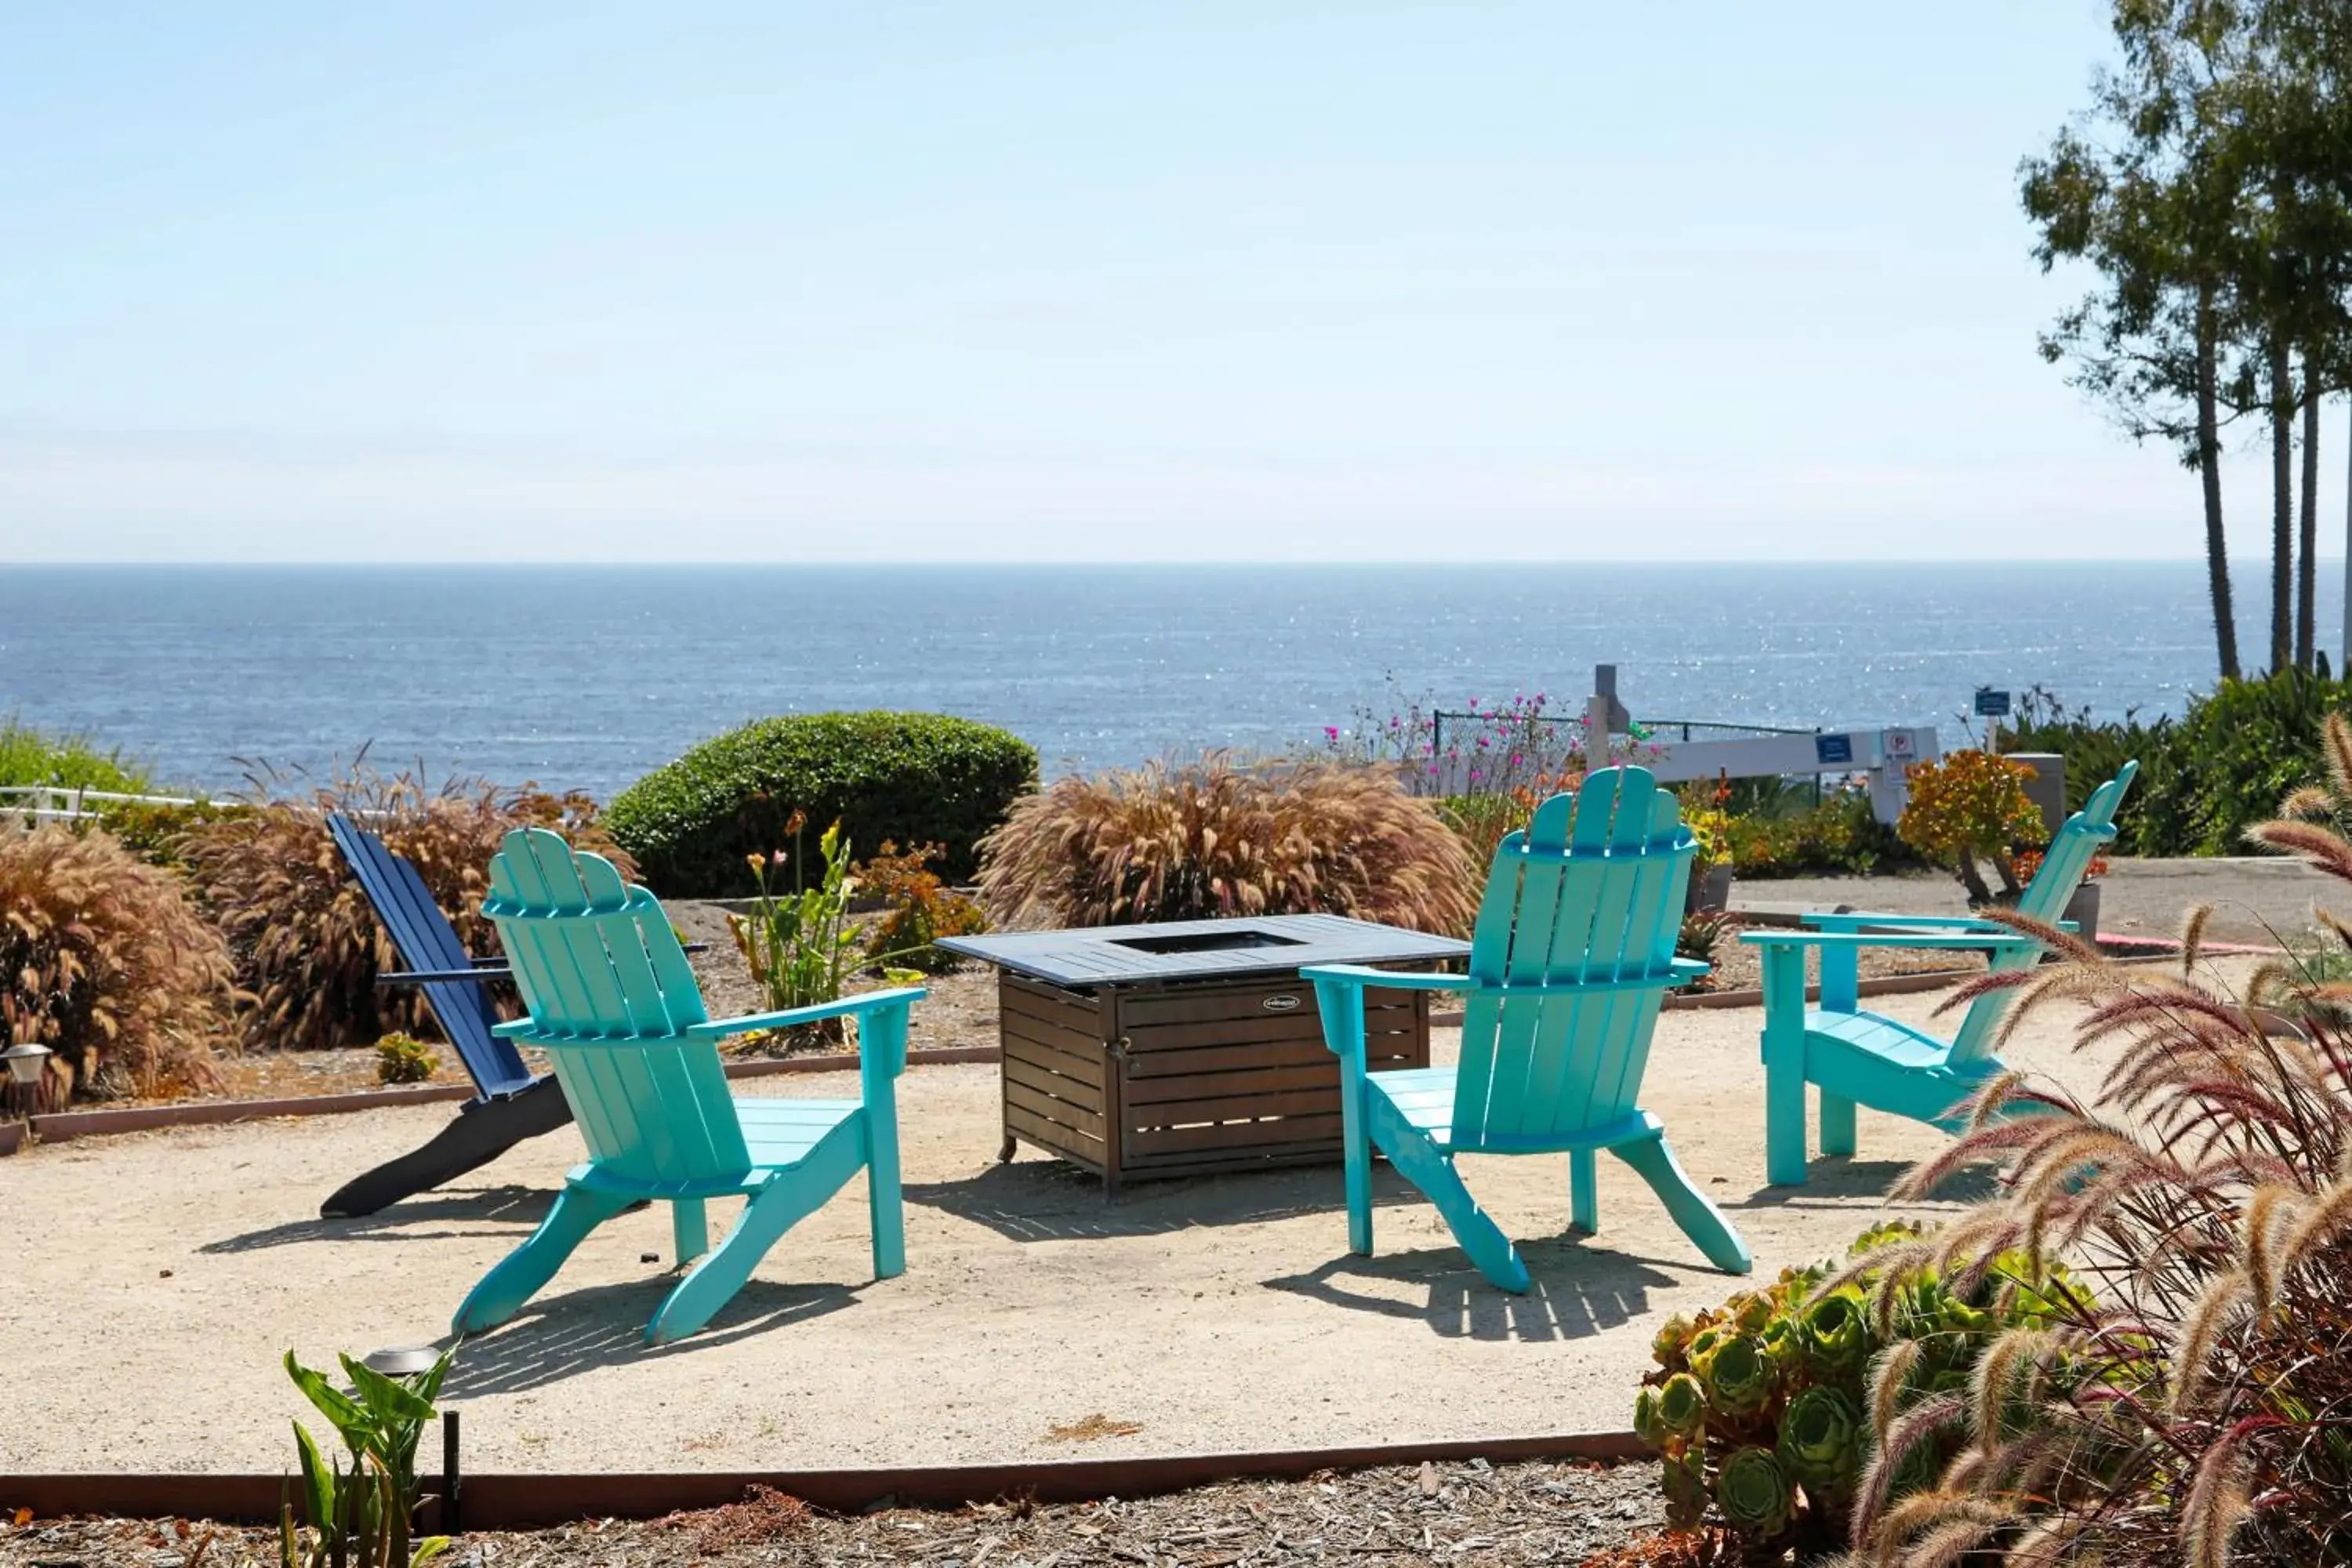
(1205, 941)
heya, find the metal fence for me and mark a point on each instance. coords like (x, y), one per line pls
(31, 803)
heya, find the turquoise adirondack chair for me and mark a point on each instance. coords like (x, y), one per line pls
(1573, 950)
(615, 1006)
(1866, 1058)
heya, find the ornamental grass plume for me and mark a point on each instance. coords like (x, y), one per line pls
(307, 945)
(2194, 1403)
(103, 960)
(1222, 837)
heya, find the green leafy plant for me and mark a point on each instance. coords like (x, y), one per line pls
(1968, 806)
(359, 1510)
(1794, 836)
(800, 946)
(404, 1058)
(1757, 1408)
(30, 756)
(1221, 838)
(105, 960)
(918, 908)
(911, 778)
(1699, 937)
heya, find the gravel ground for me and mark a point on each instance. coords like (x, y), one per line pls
(1215, 1314)
(1446, 1514)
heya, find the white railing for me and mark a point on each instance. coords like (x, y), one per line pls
(30, 804)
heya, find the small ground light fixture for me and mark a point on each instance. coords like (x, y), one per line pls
(401, 1360)
(25, 1060)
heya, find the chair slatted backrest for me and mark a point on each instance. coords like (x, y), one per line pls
(420, 933)
(2077, 840)
(1581, 909)
(611, 998)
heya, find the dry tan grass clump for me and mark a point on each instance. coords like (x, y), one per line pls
(1220, 837)
(104, 960)
(307, 947)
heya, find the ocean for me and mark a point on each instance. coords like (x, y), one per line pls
(587, 677)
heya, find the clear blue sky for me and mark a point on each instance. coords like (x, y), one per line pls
(1085, 281)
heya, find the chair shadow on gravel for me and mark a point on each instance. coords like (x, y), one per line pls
(1036, 1199)
(1579, 1290)
(562, 1335)
(1836, 1181)
(506, 1210)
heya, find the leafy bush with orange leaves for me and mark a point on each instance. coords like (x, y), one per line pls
(918, 908)
(2197, 1407)
(307, 945)
(1223, 837)
(104, 960)
(1971, 804)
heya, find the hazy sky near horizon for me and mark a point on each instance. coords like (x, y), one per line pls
(1050, 281)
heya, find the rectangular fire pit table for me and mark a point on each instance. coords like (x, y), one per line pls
(1191, 1046)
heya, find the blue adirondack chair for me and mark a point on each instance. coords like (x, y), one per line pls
(615, 1007)
(510, 1104)
(1866, 1058)
(1573, 952)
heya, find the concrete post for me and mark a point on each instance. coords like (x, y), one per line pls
(2047, 788)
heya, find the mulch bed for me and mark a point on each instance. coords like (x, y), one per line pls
(1445, 1513)
(1739, 967)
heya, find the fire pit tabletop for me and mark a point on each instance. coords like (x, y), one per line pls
(1202, 950)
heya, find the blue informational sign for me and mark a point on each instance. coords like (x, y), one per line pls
(1991, 704)
(1829, 748)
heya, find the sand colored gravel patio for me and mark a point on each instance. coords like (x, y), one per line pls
(162, 1274)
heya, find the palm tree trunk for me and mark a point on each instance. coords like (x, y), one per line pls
(2307, 560)
(2208, 470)
(2282, 504)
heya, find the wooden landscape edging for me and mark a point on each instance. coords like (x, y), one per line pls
(519, 1502)
(67, 1124)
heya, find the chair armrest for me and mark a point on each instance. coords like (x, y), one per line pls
(864, 1001)
(483, 969)
(1990, 941)
(1847, 919)
(1364, 975)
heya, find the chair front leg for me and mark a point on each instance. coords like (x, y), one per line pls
(520, 1275)
(884, 1035)
(1583, 1202)
(1342, 1006)
(1785, 1134)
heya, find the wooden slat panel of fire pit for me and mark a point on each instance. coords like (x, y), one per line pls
(1218, 1071)
(1212, 1079)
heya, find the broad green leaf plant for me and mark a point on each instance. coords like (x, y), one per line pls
(357, 1507)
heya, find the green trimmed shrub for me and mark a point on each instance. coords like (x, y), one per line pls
(2205, 778)
(158, 834)
(914, 778)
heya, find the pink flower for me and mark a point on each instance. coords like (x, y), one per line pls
(1331, 731)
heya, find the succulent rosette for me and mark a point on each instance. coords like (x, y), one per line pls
(1820, 1441)
(1646, 1424)
(1750, 1312)
(1835, 1334)
(1740, 1377)
(1754, 1494)
(1671, 1347)
(1682, 1405)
